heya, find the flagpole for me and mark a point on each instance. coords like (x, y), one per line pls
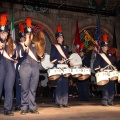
(12, 30)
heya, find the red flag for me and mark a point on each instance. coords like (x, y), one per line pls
(114, 45)
(77, 37)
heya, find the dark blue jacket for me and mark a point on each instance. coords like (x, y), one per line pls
(99, 61)
(85, 62)
(54, 54)
(9, 63)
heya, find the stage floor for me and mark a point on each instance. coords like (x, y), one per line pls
(90, 110)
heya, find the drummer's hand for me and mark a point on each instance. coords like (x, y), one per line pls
(101, 69)
(60, 61)
(71, 64)
(115, 68)
(14, 46)
(16, 61)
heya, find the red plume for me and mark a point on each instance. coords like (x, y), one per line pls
(28, 22)
(105, 38)
(82, 45)
(112, 50)
(21, 26)
(59, 29)
(4, 19)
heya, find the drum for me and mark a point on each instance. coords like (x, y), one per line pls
(86, 72)
(119, 77)
(76, 59)
(113, 75)
(102, 78)
(76, 72)
(66, 72)
(46, 64)
(54, 73)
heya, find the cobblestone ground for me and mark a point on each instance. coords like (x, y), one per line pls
(91, 110)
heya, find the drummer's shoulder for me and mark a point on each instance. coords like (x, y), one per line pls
(98, 56)
(53, 45)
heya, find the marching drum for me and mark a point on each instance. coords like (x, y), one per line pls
(119, 77)
(54, 73)
(86, 72)
(77, 61)
(102, 78)
(113, 75)
(66, 71)
(76, 72)
(46, 64)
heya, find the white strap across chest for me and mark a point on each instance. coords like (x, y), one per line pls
(106, 59)
(5, 54)
(30, 53)
(60, 50)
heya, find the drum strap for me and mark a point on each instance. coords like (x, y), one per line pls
(106, 59)
(60, 50)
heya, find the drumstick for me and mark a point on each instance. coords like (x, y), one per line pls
(64, 60)
(53, 60)
(106, 67)
(68, 59)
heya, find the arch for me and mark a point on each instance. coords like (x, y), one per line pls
(91, 23)
(36, 19)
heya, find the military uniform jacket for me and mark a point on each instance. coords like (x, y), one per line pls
(85, 61)
(54, 54)
(6, 62)
(100, 62)
(24, 58)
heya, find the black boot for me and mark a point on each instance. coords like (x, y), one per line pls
(8, 113)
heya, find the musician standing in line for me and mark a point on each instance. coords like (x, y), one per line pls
(18, 82)
(29, 72)
(7, 69)
(83, 85)
(61, 90)
(99, 64)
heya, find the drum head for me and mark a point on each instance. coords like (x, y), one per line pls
(76, 75)
(46, 64)
(103, 82)
(67, 75)
(83, 77)
(54, 77)
(114, 78)
(76, 59)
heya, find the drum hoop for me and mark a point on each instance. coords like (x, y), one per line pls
(76, 59)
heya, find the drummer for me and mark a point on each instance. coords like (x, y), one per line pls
(83, 86)
(99, 64)
(61, 90)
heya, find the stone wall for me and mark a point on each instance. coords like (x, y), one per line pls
(67, 20)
